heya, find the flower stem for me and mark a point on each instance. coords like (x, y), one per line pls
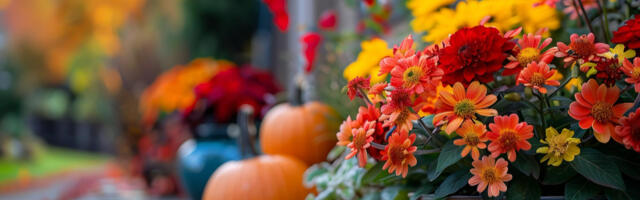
(365, 96)
(426, 151)
(542, 103)
(584, 14)
(605, 21)
(377, 146)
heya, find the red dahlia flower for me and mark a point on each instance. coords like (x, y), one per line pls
(609, 71)
(629, 131)
(230, 89)
(629, 34)
(310, 43)
(474, 54)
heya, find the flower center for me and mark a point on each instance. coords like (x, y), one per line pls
(396, 154)
(601, 111)
(559, 147)
(509, 139)
(412, 75)
(636, 72)
(360, 138)
(582, 47)
(471, 139)
(465, 109)
(537, 79)
(402, 117)
(489, 175)
(528, 55)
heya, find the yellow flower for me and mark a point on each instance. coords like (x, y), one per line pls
(367, 63)
(619, 52)
(422, 10)
(560, 147)
(439, 21)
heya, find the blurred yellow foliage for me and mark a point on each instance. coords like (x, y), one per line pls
(57, 29)
(367, 63)
(438, 20)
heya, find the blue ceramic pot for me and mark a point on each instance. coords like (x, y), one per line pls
(197, 160)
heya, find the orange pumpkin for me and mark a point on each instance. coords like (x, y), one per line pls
(307, 132)
(266, 177)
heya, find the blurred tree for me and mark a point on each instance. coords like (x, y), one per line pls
(220, 29)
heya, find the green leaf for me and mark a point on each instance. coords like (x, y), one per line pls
(523, 188)
(428, 120)
(558, 175)
(628, 165)
(527, 165)
(597, 167)
(390, 193)
(453, 183)
(425, 188)
(449, 155)
(372, 196)
(580, 188)
(432, 173)
(314, 171)
(336, 152)
(612, 194)
(374, 174)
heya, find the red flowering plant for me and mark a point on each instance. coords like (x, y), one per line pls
(219, 98)
(494, 114)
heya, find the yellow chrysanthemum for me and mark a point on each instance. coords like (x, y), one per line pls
(367, 63)
(560, 146)
(505, 15)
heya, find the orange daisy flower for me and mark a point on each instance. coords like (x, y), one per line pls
(417, 73)
(536, 76)
(405, 50)
(529, 50)
(629, 131)
(399, 153)
(633, 72)
(361, 141)
(582, 48)
(455, 107)
(594, 108)
(509, 136)
(473, 136)
(396, 111)
(345, 133)
(489, 173)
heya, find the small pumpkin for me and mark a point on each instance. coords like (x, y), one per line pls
(305, 131)
(266, 177)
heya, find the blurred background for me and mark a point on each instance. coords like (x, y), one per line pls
(132, 99)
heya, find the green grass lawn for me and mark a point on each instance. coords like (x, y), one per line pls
(50, 160)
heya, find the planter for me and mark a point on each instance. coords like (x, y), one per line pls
(199, 158)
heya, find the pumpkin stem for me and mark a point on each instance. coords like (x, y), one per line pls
(247, 131)
(296, 99)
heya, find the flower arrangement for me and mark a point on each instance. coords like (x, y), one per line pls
(489, 111)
